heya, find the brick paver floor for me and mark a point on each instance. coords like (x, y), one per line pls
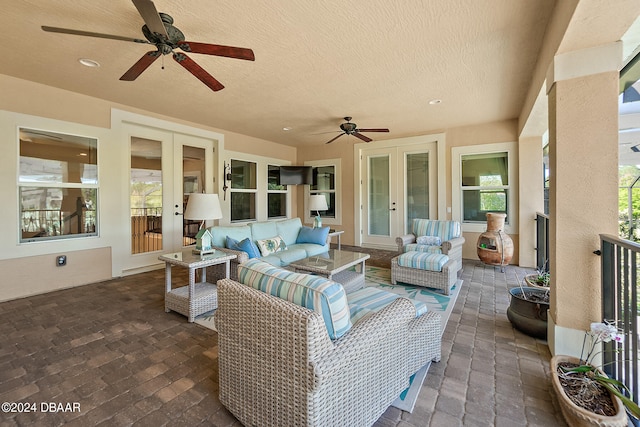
(107, 354)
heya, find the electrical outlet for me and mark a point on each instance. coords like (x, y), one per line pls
(61, 260)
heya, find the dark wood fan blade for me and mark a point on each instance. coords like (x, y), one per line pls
(373, 130)
(329, 142)
(90, 34)
(217, 50)
(362, 137)
(151, 18)
(142, 64)
(198, 71)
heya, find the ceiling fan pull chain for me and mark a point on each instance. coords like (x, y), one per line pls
(162, 62)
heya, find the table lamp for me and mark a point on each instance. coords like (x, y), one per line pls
(318, 203)
(201, 207)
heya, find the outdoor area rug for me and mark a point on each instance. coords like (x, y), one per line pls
(435, 300)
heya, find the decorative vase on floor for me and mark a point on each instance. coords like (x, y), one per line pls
(495, 247)
(576, 416)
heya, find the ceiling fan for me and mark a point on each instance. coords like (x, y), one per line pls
(349, 128)
(159, 31)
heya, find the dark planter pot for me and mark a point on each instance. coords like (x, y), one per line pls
(529, 315)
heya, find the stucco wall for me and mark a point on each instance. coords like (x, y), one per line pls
(42, 107)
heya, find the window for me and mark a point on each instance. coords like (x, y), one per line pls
(485, 185)
(483, 180)
(243, 190)
(57, 185)
(276, 194)
(326, 181)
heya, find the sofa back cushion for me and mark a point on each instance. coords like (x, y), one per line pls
(446, 230)
(219, 233)
(313, 292)
(263, 230)
(288, 229)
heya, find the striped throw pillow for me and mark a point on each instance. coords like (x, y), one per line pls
(313, 292)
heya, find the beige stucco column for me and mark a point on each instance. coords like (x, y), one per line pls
(531, 193)
(582, 88)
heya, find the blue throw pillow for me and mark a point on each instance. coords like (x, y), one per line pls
(245, 245)
(313, 235)
(231, 243)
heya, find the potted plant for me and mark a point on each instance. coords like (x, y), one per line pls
(587, 396)
(540, 278)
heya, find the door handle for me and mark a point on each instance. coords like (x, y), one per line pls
(392, 209)
(179, 213)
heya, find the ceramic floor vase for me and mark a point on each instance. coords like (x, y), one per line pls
(494, 246)
(576, 416)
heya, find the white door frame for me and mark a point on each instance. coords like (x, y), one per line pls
(442, 210)
(121, 252)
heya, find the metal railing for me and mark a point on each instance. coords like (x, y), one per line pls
(620, 304)
(146, 230)
(542, 242)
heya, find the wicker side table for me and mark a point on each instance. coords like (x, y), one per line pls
(195, 298)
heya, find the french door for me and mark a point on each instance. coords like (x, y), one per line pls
(398, 185)
(164, 168)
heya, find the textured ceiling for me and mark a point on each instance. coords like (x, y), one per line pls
(379, 61)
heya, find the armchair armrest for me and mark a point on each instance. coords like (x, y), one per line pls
(216, 272)
(241, 255)
(452, 244)
(380, 329)
(402, 241)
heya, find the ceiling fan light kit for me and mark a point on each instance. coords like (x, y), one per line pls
(349, 128)
(159, 31)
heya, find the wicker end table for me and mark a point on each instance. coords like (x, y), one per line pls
(195, 298)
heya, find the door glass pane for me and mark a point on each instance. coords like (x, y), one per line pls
(417, 187)
(379, 196)
(146, 195)
(192, 182)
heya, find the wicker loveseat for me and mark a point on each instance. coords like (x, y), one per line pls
(278, 365)
(448, 232)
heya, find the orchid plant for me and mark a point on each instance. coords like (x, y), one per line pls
(603, 333)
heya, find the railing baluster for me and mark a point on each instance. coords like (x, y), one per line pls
(620, 304)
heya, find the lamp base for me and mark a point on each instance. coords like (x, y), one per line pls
(317, 222)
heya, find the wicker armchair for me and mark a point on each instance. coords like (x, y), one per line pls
(448, 231)
(278, 367)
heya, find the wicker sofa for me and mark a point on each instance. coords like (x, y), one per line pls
(448, 232)
(279, 366)
(287, 229)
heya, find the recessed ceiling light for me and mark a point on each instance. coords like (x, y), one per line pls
(286, 128)
(435, 101)
(88, 62)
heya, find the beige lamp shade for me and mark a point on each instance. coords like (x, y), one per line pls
(318, 202)
(202, 207)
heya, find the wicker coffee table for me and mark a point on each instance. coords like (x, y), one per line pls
(335, 265)
(195, 298)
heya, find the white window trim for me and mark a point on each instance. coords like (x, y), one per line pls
(337, 164)
(511, 148)
(262, 170)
